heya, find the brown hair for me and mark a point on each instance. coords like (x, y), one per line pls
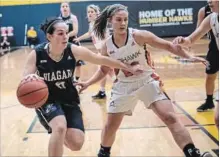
(101, 21)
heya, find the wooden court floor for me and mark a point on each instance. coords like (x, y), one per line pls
(142, 134)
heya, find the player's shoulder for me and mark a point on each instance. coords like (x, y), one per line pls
(73, 17)
(139, 32)
(41, 46)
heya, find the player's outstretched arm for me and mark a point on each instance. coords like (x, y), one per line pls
(85, 54)
(203, 28)
(143, 37)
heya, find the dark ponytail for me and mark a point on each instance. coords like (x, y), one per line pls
(101, 23)
(102, 20)
(48, 25)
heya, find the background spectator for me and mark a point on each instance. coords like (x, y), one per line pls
(5, 45)
(32, 37)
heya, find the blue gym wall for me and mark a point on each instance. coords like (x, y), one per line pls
(33, 15)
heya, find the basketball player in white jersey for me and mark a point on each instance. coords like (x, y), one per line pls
(92, 13)
(127, 45)
(211, 22)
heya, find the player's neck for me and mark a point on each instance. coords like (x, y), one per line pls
(66, 15)
(55, 51)
(120, 38)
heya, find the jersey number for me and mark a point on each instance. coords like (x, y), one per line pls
(127, 73)
(60, 85)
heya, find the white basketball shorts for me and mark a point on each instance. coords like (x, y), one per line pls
(125, 95)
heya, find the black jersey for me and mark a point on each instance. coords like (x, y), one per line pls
(57, 74)
(69, 21)
(212, 44)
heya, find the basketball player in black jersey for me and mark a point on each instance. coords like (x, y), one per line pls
(54, 61)
(211, 22)
(72, 22)
(213, 58)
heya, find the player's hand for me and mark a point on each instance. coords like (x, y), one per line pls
(181, 40)
(156, 77)
(31, 77)
(199, 59)
(76, 40)
(136, 69)
(82, 86)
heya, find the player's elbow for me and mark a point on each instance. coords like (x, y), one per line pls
(75, 32)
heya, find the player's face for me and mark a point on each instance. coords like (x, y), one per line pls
(119, 22)
(59, 38)
(91, 14)
(213, 4)
(65, 9)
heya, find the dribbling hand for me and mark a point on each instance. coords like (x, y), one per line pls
(31, 77)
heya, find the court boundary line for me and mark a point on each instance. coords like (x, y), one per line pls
(200, 126)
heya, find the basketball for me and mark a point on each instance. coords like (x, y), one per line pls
(32, 93)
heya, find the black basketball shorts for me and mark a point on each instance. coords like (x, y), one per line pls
(72, 113)
(213, 58)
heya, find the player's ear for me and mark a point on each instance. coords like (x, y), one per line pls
(49, 36)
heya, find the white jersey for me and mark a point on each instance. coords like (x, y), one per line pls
(215, 26)
(131, 53)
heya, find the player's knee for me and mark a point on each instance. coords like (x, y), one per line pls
(170, 118)
(59, 128)
(75, 145)
(74, 140)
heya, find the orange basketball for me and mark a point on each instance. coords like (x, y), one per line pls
(32, 93)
